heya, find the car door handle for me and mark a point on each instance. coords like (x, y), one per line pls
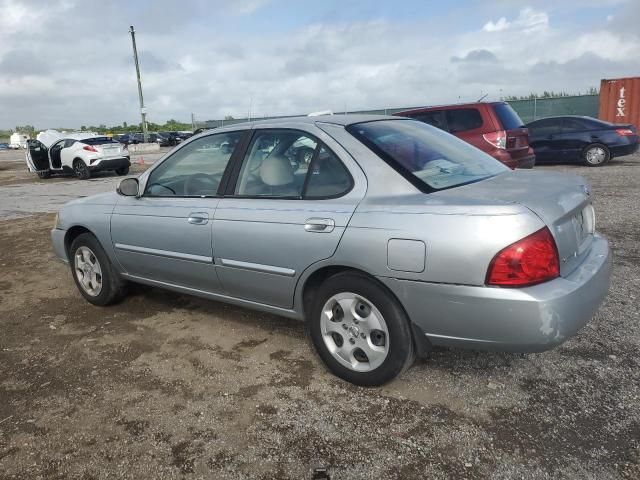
(319, 225)
(198, 218)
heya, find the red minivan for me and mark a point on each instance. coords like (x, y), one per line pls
(493, 127)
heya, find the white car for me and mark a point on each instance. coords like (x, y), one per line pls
(79, 153)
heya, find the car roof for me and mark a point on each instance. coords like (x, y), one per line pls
(344, 120)
(448, 106)
(560, 117)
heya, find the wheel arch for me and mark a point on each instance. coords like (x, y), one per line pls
(73, 233)
(313, 280)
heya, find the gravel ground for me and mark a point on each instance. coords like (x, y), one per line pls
(169, 386)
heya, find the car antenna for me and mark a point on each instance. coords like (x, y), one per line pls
(482, 97)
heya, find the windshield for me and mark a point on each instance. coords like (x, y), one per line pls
(428, 157)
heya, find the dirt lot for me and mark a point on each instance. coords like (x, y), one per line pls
(168, 386)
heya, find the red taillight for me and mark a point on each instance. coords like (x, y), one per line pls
(89, 148)
(497, 139)
(624, 132)
(534, 259)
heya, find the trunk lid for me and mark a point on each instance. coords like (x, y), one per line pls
(110, 150)
(561, 201)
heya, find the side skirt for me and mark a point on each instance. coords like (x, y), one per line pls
(284, 312)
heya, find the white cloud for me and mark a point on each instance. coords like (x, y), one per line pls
(527, 21)
(84, 75)
(501, 24)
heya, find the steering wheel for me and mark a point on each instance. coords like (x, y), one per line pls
(202, 180)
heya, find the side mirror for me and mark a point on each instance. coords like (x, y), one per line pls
(128, 187)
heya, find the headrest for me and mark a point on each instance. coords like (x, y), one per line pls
(276, 171)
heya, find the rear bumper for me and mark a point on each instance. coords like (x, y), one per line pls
(621, 150)
(110, 164)
(522, 161)
(518, 320)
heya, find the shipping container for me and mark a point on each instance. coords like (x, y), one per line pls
(620, 100)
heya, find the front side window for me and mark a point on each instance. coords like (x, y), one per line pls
(463, 119)
(196, 169)
(291, 164)
(429, 158)
(547, 126)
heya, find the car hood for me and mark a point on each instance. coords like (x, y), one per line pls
(107, 198)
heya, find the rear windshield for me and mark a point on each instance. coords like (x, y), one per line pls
(508, 116)
(98, 140)
(426, 156)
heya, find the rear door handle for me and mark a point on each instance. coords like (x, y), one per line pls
(198, 218)
(319, 225)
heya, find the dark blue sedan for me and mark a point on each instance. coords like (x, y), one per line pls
(586, 139)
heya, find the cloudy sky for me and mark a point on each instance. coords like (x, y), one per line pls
(69, 62)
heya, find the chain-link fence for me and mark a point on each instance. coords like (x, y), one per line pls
(529, 110)
(537, 108)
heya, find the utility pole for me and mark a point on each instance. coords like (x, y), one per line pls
(193, 121)
(143, 111)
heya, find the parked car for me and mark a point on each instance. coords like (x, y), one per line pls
(4, 146)
(126, 139)
(396, 237)
(18, 141)
(77, 153)
(577, 138)
(172, 138)
(494, 128)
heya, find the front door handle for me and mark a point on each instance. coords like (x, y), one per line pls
(319, 225)
(198, 218)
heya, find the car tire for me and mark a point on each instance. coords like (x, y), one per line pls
(81, 170)
(44, 174)
(360, 330)
(122, 171)
(88, 260)
(596, 155)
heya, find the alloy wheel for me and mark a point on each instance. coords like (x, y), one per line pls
(595, 155)
(88, 271)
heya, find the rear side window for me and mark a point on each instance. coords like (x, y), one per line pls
(507, 116)
(463, 119)
(573, 125)
(291, 164)
(327, 176)
(98, 140)
(427, 157)
(434, 118)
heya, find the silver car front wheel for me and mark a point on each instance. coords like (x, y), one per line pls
(93, 273)
(88, 271)
(354, 332)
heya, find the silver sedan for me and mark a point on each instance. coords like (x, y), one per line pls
(386, 235)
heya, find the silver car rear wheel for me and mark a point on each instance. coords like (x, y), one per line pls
(88, 271)
(354, 332)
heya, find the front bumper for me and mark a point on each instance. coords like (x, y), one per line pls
(59, 248)
(528, 319)
(110, 164)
